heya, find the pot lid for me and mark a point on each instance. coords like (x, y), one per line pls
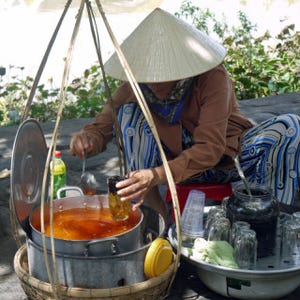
(28, 161)
(158, 258)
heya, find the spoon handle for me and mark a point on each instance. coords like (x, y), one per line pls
(83, 162)
(83, 165)
(241, 174)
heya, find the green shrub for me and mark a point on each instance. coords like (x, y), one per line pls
(85, 97)
(258, 66)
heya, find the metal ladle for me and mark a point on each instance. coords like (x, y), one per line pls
(88, 181)
(241, 174)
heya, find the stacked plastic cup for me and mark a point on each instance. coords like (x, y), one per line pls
(192, 215)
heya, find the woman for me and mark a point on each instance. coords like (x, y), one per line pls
(194, 108)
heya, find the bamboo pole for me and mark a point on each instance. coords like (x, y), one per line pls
(51, 152)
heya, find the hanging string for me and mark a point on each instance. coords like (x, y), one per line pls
(13, 221)
(28, 105)
(119, 139)
(24, 117)
(52, 148)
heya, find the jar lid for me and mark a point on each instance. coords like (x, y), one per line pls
(158, 258)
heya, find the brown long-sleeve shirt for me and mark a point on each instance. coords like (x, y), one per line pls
(210, 113)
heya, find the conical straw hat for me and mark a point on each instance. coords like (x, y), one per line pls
(165, 48)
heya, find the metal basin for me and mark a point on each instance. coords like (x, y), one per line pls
(273, 277)
(248, 284)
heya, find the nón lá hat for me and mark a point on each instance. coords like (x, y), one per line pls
(165, 48)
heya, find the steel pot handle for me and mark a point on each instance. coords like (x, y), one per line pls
(69, 188)
(113, 247)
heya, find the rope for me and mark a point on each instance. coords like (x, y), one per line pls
(13, 222)
(119, 139)
(24, 117)
(52, 148)
(43, 62)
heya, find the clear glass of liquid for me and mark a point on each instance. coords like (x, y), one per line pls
(119, 209)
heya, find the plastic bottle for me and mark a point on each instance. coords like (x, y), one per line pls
(59, 172)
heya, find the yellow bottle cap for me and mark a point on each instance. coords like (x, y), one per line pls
(158, 258)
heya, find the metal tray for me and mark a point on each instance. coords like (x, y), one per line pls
(273, 278)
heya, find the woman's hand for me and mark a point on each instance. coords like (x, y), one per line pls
(140, 183)
(136, 186)
(81, 144)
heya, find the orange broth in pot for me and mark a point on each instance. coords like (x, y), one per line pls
(84, 222)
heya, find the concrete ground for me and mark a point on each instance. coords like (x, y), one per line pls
(186, 285)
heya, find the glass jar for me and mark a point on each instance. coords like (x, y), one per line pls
(119, 209)
(260, 210)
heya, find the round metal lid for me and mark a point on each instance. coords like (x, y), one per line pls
(28, 161)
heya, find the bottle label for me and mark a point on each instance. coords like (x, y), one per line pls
(59, 168)
(59, 177)
(59, 181)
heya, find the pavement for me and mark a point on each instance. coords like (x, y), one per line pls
(187, 284)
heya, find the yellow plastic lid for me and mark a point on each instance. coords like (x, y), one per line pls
(158, 258)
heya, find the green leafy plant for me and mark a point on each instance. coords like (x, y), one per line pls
(258, 66)
(88, 93)
(85, 97)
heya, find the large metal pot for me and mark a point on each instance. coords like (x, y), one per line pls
(121, 243)
(28, 165)
(94, 263)
(99, 271)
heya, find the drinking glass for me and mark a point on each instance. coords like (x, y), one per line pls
(282, 219)
(213, 214)
(296, 216)
(235, 228)
(224, 203)
(245, 249)
(290, 239)
(219, 230)
(119, 209)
